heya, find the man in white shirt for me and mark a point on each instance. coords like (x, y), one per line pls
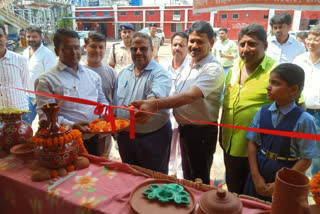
(70, 78)
(40, 59)
(13, 72)
(196, 97)
(310, 62)
(179, 62)
(282, 47)
(95, 48)
(225, 50)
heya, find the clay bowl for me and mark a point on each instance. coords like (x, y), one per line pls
(23, 151)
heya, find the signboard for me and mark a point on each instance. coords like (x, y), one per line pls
(200, 6)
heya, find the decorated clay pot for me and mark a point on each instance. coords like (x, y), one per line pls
(57, 156)
(23, 151)
(219, 201)
(13, 130)
(290, 193)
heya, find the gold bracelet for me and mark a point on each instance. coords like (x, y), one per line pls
(155, 99)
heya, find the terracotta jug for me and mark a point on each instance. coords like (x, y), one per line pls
(290, 193)
(13, 130)
(219, 201)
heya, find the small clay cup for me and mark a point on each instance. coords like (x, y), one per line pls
(23, 151)
(219, 201)
(290, 193)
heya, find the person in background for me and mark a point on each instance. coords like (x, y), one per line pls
(40, 59)
(70, 78)
(95, 49)
(244, 94)
(281, 46)
(196, 97)
(225, 50)
(144, 79)
(120, 55)
(269, 153)
(301, 37)
(23, 41)
(175, 66)
(155, 41)
(13, 72)
(310, 62)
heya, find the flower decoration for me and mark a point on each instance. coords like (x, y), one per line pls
(85, 182)
(88, 202)
(315, 188)
(74, 134)
(98, 125)
(167, 192)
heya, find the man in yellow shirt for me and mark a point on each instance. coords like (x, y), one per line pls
(245, 92)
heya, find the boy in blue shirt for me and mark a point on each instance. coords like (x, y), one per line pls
(268, 153)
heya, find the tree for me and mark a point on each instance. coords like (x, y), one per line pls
(65, 22)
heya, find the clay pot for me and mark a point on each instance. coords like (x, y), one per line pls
(219, 201)
(13, 131)
(57, 156)
(23, 151)
(290, 193)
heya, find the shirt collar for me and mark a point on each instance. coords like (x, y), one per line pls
(225, 41)
(262, 64)
(152, 64)
(203, 61)
(6, 55)
(63, 67)
(288, 42)
(283, 109)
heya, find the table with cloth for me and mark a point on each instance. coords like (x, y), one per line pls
(104, 187)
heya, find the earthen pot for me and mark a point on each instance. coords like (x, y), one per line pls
(290, 193)
(13, 130)
(23, 151)
(219, 201)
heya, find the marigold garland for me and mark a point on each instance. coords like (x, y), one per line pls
(315, 188)
(74, 134)
(98, 125)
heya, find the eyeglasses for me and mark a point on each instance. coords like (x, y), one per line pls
(313, 40)
(142, 49)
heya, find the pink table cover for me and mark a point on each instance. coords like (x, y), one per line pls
(104, 187)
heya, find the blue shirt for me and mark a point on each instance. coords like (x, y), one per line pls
(305, 124)
(153, 81)
(63, 80)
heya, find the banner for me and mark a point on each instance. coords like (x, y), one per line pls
(200, 6)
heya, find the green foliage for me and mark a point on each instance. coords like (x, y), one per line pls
(64, 23)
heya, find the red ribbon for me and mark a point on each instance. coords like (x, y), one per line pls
(132, 123)
(132, 118)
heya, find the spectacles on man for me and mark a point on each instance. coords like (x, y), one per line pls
(313, 40)
(142, 49)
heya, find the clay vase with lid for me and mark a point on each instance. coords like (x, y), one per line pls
(219, 201)
(13, 130)
(60, 155)
(290, 193)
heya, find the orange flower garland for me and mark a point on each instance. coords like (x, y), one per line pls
(74, 134)
(98, 125)
(315, 188)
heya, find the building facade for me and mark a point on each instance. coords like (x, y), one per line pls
(176, 18)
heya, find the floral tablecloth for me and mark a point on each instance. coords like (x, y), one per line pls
(104, 187)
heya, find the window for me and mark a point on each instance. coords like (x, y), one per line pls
(137, 13)
(224, 16)
(92, 13)
(151, 13)
(106, 13)
(265, 16)
(122, 13)
(235, 16)
(81, 14)
(176, 27)
(176, 12)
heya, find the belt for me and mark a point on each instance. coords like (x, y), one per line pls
(313, 110)
(274, 156)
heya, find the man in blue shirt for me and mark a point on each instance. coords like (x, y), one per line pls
(70, 78)
(144, 79)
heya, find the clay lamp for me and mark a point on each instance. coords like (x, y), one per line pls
(23, 151)
(219, 201)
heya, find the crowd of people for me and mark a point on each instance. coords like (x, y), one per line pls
(260, 82)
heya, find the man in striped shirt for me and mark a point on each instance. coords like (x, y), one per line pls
(14, 73)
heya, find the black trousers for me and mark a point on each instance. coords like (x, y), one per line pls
(237, 170)
(198, 144)
(91, 145)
